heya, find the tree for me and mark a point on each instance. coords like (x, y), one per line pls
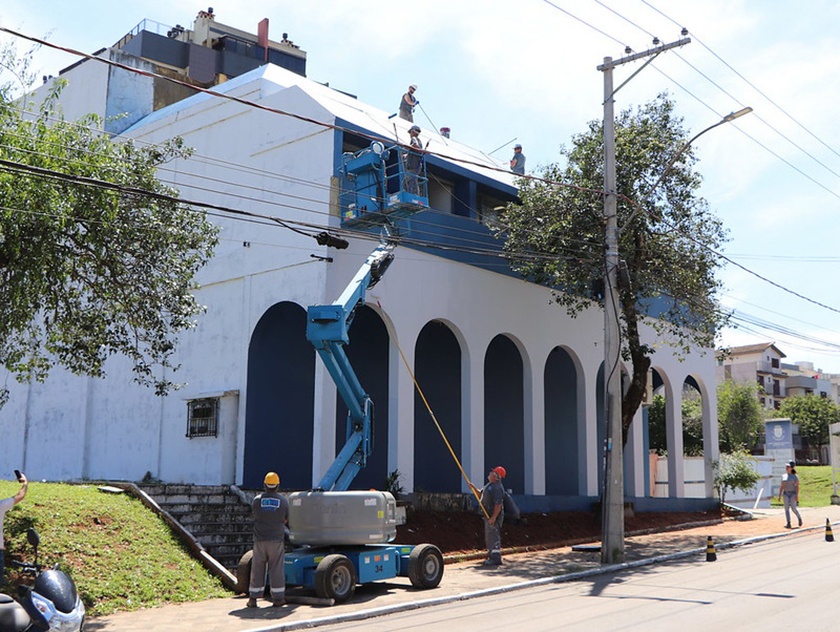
(812, 414)
(740, 416)
(555, 237)
(97, 257)
(734, 471)
(692, 424)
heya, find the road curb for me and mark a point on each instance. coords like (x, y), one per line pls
(559, 579)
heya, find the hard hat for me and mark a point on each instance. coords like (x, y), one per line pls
(517, 146)
(413, 86)
(413, 128)
(500, 471)
(271, 479)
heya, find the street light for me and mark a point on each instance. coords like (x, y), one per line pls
(726, 119)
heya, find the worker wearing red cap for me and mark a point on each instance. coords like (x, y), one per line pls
(270, 511)
(492, 499)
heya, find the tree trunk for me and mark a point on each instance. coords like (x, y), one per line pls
(635, 392)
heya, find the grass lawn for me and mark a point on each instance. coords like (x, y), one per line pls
(814, 486)
(120, 554)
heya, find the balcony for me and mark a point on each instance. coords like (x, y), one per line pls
(766, 366)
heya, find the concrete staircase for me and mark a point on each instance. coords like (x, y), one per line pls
(213, 514)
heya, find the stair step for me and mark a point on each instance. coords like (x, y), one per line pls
(198, 499)
(177, 488)
(198, 529)
(210, 518)
(190, 508)
(214, 515)
(214, 539)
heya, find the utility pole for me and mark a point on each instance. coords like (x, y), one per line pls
(612, 505)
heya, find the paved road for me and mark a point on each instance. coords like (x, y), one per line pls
(471, 580)
(783, 584)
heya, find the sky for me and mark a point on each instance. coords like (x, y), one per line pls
(498, 72)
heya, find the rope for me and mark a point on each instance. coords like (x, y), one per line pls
(440, 430)
(433, 125)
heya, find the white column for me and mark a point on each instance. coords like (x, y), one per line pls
(674, 434)
(472, 416)
(590, 461)
(323, 435)
(401, 414)
(245, 345)
(534, 400)
(711, 439)
(635, 457)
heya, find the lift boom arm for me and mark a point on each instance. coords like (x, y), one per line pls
(327, 329)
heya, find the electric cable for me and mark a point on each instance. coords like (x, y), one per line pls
(335, 127)
(750, 84)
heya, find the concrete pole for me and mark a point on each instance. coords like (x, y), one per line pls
(612, 519)
(612, 537)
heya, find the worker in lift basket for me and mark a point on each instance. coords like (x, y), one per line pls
(270, 510)
(413, 161)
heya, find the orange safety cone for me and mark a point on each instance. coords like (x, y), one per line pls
(711, 555)
(829, 536)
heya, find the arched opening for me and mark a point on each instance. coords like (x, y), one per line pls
(368, 355)
(692, 418)
(437, 361)
(281, 394)
(561, 424)
(504, 416)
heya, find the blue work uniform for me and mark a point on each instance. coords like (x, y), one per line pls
(270, 510)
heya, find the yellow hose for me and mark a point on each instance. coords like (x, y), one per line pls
(442, 434)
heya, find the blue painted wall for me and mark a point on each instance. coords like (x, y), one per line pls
(281, 394)
(504, 418)
(561, 425)
(368, 355)
(438, 371)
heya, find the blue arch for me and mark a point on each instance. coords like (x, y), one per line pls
(504, 411)
(368, 353)
(281, 395)
(437, 361)
(561, 424)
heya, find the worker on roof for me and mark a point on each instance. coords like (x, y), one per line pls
(493, 499)
(408, 103)
(517, 163)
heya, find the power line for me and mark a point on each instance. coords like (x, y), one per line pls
(361, 134)
(753, 86)
(260, 106)
(260, 200)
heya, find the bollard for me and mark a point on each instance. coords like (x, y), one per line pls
(711, 555)
(829, 536)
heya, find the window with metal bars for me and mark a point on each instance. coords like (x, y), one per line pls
(203, 417)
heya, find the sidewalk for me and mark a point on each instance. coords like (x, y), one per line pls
(465, 579)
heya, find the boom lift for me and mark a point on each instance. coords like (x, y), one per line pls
(339, 537)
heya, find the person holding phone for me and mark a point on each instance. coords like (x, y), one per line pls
(5, 505)
(789, 490)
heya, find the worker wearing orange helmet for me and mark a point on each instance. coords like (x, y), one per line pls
(493, 499)
(270, 510)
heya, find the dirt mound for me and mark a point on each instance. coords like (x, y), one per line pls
(459, 532)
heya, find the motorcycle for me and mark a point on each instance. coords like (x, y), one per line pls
(52, 603)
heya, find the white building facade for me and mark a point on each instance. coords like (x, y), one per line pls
(512, 379)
